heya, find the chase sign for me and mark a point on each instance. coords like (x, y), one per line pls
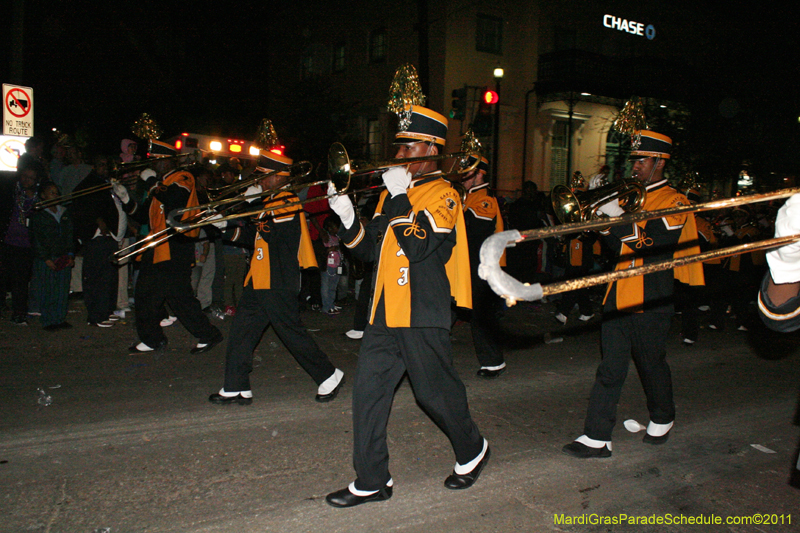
(629, 26)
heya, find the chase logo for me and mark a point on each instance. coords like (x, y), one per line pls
(629, 26)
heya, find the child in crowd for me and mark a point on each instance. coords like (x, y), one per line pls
(51, 230)
(333, 269)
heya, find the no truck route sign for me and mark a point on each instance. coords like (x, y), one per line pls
(17, 110)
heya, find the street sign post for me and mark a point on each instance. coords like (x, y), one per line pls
(17, 110)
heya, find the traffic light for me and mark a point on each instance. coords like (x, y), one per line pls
(490, 97)
(459, 111)
(484, 121)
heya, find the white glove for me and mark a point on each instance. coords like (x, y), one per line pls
(397, 180)
(253, 190)
(596, 181)
(342, 206)
(146, 174)
(121, 192)
(784, 262)
(219, 225)
(611, 209)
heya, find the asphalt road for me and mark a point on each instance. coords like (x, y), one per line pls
(131, 444)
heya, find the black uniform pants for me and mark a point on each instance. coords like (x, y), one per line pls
(642, 336)
(484, 324)
(361, 313)
(258, 309)
(386, 355)
(100, 278)
(157, 285)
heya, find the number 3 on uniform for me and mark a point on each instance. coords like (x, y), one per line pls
(259, 254)
(403, 280)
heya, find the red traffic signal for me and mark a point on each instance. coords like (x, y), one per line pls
(490, 97)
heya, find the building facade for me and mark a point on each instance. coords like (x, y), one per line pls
(568, 69)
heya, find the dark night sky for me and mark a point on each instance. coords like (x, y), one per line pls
(194, 66)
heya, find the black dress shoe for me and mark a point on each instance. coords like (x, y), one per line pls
(219, 399)
(649, 439)
(464, 481)
(134, 348)
(345, 498)
(323, 398)
(490, 374)
(582, 451)
(208, 346)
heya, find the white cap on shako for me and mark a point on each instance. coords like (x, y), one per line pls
(425, 125)
(650, 144)
(270, 161)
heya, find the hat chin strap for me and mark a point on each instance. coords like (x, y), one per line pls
(417, 173)
(652, 170)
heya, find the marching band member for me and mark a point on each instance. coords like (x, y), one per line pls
(778, 298)
(482, 218)
(417, 237)
(282, 247)
(638, 310)
(165, 273)
(578, 260)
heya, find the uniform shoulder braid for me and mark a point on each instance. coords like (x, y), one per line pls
(286, 204)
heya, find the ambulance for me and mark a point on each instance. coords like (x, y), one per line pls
(221, 149)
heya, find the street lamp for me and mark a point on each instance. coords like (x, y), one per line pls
(498, 75)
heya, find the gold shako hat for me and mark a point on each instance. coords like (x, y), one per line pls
(270, 161)
(651, 144)
(482, 166)
(161, 149)
(425, 125)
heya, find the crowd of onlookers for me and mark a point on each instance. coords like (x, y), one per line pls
(51, 254)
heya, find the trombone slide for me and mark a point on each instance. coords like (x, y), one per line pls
(512, 290)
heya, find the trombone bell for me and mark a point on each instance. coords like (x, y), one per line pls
(582, 206)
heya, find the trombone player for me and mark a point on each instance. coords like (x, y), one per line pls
(638, 310)
(417, 239)
(165, 272)
(282, 246)
(482, 218)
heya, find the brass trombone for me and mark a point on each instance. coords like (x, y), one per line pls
(513, 290)
(116, 170)
(580, 206)
(206, 213)
(341, 171)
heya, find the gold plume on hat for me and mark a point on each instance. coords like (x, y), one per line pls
(631, 120)
(688, 182)
(404, 93)
(146, 128)
(266, 137)
(470, 142)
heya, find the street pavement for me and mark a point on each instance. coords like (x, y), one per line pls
(129, 443)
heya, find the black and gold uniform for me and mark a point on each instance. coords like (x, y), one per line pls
(638, 310)
(482, 218)
(418, 241)
(165, 271)
(282, 246)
